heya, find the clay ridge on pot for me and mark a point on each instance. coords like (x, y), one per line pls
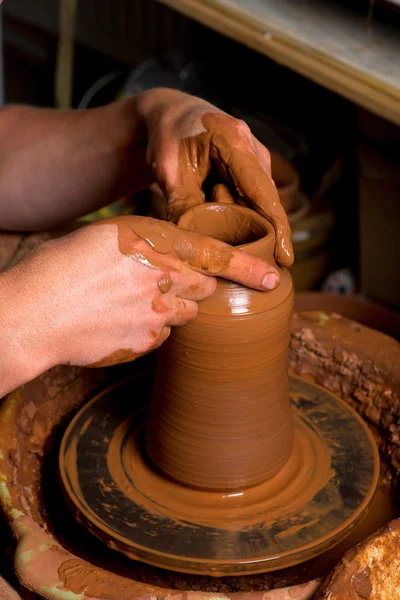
(220, 417)
(30, 418)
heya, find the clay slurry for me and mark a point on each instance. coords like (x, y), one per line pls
(220, 418)
(241, 165)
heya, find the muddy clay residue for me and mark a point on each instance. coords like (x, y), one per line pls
(80, 577)
(370, 570)
(118, 357)
(220, 418)
(241, 168)
(166, 239)
(32, 472)
(359, 364)
(303, 476)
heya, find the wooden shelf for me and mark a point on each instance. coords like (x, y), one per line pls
(356, 56)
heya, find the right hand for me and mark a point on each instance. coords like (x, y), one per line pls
(110, 292)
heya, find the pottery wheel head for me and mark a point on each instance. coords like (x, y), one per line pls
(321, 494)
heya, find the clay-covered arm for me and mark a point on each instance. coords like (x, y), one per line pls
(59, 165)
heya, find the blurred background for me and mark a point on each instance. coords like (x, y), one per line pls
(318, 83)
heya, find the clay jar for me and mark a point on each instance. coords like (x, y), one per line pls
(287, 181)
(220, 417)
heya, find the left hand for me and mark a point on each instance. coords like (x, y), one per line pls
(188, 139)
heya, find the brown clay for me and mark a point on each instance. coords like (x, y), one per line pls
(220, 142)
(29, 422)
(358, 364)
(220, 421)
(369, 571)
(119, 356)
(164, 238)
(134, 509)
(220, 417)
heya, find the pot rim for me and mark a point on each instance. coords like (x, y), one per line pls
(264, 243)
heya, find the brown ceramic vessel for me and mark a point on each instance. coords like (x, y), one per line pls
(220, 417)
(287, 181)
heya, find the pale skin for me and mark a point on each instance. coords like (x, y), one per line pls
(78, 299)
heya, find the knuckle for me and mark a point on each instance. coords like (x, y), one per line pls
(242, 127)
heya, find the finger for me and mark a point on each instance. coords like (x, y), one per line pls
(260, 191)
(250, 271)
(264, 155)
(183, 312)
(221, 193)
(213, 257)
(192, 285)
(176, 174)
(193, 167)
(253, 182)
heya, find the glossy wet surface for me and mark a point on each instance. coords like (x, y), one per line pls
(321, 494)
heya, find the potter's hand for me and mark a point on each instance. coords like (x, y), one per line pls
(111, 291)
(189, 139)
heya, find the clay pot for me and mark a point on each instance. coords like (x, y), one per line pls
(220, 417)
(286, 178)
(310, 238)
(287, 181)
(33, 417)
(301, 210)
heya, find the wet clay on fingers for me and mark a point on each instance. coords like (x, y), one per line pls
(220, 417)
(168, 251)
(164, 239)
(241, 163)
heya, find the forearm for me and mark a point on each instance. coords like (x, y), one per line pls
(24, 352)
(58, 165)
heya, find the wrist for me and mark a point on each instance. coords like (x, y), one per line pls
(159, 105)
(24, 331)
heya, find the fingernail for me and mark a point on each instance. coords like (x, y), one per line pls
(270, 281)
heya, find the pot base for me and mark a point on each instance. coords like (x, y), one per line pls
(320, 495)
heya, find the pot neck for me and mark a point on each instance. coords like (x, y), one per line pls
(235, 225)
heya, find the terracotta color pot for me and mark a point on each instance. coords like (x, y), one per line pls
(30, 422)
(310, 237)
(202, 431)
(287, 181)
(301, 209)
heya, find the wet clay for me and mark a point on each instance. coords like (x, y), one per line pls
(117, 494)
(369, 571)
(118, 357)
(33, 414)
(160, 239)
(220, 418)
(352, 360)
(237, 160)
(163, 238)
